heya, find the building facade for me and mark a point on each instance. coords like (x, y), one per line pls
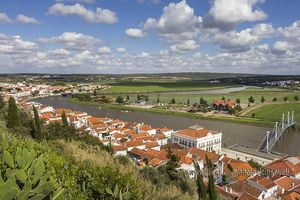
(199, 137)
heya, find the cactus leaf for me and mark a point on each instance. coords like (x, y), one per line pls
(26, 191)
(21, 175)
(8, 159)
(44, 188)
(39, 170)
(10, 194)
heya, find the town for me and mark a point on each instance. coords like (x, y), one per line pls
(240, 176)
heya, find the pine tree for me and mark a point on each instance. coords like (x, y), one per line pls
(37, 123)
(223, 98)
(158, 100)
(251, 99)
(262, 99)
(238, 100)
(296, 97)
(128, 98)
(188, 102)
(2, 103)
(13, 118)
(64, 119)
(212, 195)
(201, 189)
(173, 101)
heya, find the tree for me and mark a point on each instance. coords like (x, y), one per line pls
(238, 100)
(262, 99)
(128, 98)
(95, 93)
(202, 101)
(274, 99)
(173, 101)
(64, 119)
(2, 103)
(212, 195)
(37, 125)
(223, 98)
(172, 164)
(157, 100)
(188, 102)
(13, 118)
(296, 97)
(251, 99)
(201, 189)
(120, 99)
(285, 99)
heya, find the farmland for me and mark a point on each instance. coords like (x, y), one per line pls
(273, 112)
(150, 87)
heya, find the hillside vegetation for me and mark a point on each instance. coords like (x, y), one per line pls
(66, 164)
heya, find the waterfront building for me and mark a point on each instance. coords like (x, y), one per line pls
(199, 137)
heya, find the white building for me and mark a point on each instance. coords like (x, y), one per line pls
(199, 137)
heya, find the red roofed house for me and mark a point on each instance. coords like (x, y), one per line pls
(288, 165)
(197, 136)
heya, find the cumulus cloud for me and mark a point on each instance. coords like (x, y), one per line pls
(135, 33)
(104, 16)
(4, 19)
(185, 46)
(27, 20)
(226, 14)
(178, 22)
(234, 41)
(290, 39)
(104, 50)
(72, 40)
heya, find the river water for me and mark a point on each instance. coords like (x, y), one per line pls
(246, 135)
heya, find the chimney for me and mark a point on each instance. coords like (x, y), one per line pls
(226, 189)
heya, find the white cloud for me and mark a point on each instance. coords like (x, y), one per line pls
(226, 14)
(177, 22)
(27, 20)
(234, 41)
(185, 46)
(4, 19)
(104, 16)
(104, 50)
(121, 49)
(135, 33)
(73, 41)
(60, 52)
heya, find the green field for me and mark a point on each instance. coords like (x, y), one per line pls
(273, 112)
(148, 87)
(268, 94)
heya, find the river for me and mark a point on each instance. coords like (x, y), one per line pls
(246, 135)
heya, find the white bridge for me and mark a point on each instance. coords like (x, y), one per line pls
(280, 128)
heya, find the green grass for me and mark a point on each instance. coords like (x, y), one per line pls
(236, 120)
(268, 93)
(273, 112)
(148, 87)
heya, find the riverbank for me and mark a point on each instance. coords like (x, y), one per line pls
(236, 120)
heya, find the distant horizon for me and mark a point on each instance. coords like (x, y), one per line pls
(154, 73)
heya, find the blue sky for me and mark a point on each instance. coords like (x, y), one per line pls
(136, 36)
